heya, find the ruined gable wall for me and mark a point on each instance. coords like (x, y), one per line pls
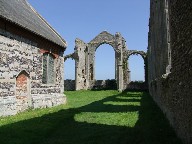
(17, 54)
(172, 89)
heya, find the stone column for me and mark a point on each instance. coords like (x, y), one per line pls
(62, 72)
(120, 74)
(91, 65)
(120, 84)
(116, 65)
(126, 71)
(80, 65)
(87, 66)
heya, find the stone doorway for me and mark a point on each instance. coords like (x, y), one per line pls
(23, 96)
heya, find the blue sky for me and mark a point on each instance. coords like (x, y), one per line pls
(85, 19)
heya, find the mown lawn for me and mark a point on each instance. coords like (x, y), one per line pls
(91, 117)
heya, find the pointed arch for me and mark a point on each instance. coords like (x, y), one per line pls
(24, 72)
(103, 38)
(144, 56)
(105, 62)
(85, 65)
(23, 94)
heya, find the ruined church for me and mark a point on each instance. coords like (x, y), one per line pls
(31, 61)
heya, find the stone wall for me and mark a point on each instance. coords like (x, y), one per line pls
(109, 84)
(170, 62)
(98, 85)
(137, 86)
(69, 85)
(18, 55)
(84, 56)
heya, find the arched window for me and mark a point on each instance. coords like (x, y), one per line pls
(48, 69)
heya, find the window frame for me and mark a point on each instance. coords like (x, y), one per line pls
(47, 82)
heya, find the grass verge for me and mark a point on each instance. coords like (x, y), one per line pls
(91, 117)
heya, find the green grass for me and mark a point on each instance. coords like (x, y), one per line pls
(91, 117)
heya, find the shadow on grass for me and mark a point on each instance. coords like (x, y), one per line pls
(62, 128)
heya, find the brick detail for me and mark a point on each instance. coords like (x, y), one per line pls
(22, 92)
(21, 86)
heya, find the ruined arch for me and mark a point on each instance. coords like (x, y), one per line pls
(144, 56)
(135, 52)
(85, 63)
(105, 63)
(84, 56)
(103, 38)
(73, 59)
(117, 43)
(70, 56)
(69, 76)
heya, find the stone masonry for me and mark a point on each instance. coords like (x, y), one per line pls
(84, 57)
(170, 62)
(20, 55)
(31, 60)
(69, 85)
(99, 85)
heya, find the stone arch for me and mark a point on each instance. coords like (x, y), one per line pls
(144, 56)
(22, 93)
(70, 56)
(73, 57)
(135, 52)
(84, 56)
(117, 42)
(103, 38)
(105, 55)
(23, 72)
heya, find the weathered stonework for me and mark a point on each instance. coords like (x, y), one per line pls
(127, 54)
(170, 63)
(98, 85)
(21, 76)
(137, 86)
(31, 60)
(84, 56)
(69, 85)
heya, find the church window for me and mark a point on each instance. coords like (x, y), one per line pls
(48, 68)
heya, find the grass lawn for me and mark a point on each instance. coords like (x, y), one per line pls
(91, 117)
